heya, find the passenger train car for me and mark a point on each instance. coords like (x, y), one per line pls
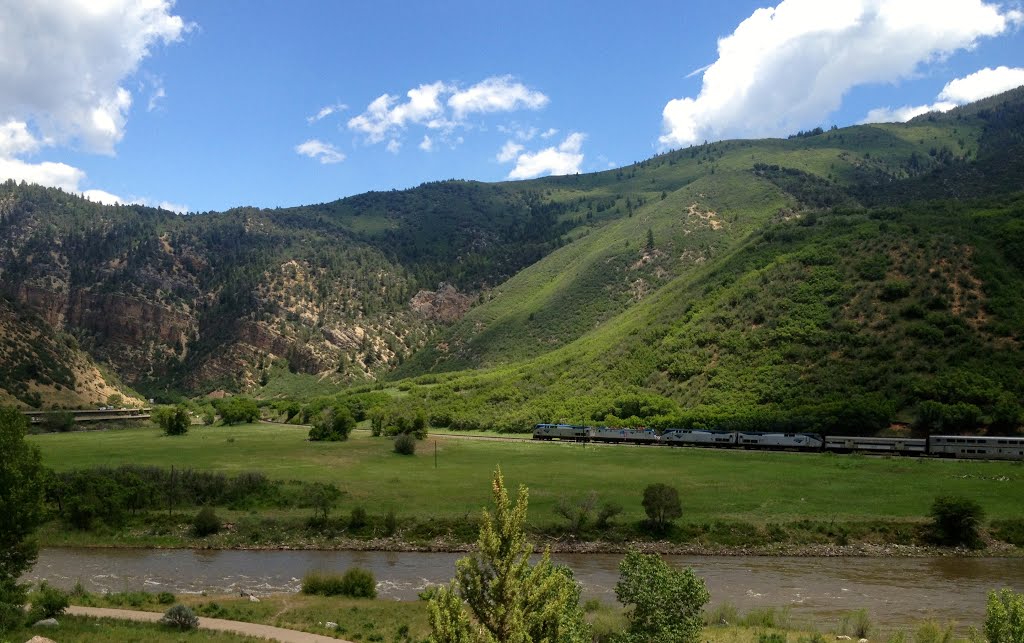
(950, 446)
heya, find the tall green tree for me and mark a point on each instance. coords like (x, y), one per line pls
(1004, 617)
(662, 506)
(497, 596)
(666, 602)
(21, 511)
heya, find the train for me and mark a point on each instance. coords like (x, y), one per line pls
(945, 446)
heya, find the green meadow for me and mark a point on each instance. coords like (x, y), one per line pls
(755, 487)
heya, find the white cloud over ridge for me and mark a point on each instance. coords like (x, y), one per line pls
(441, 107)
(788, 67)
(566, 158)
(959, 91)
(323, 152)
(64, 63)
(61, 81)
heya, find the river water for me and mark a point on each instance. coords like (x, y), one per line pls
(896, 592)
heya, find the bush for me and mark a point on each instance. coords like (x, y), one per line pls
(332, 425)
(955, 521)
(205, 523)
(1004, 617)
(180, 617)
(355, 583)
(357, 520)
(165, 598)
(47, 602)
(390, 523)
(405, 444)
(661, 503)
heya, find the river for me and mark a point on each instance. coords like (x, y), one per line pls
(896, 592)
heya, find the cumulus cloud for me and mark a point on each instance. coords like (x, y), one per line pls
(496, 94)
(57, 175)
(387, 114)
(427, 144)
(64, 63)
(788, 67)
(566, 158)
(441, 107)
(323, 152)
(959, 91)
(15, 139)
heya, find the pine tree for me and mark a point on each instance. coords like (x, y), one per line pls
(511, 600)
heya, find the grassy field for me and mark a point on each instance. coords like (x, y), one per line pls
(714, 485)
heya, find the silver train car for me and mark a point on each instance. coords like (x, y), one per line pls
(699, 437)
(854, 444)
(977, 447)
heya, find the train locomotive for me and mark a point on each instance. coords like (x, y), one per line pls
(947, 446)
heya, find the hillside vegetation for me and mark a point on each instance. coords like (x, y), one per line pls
(839, 279)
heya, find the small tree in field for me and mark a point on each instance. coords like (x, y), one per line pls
(661, 503)
(173, 421)
(666, 602)
(509, 599)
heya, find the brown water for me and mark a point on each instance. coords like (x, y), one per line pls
(896, 592)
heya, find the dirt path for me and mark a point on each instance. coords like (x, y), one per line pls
(238, 627)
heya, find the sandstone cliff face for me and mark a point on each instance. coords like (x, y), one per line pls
(445, 305)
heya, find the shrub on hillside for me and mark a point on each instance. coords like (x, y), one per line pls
(357, 520)
(955, 521)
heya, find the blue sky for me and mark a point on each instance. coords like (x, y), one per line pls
(202, 105)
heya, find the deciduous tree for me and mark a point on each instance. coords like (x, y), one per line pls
(666, 602)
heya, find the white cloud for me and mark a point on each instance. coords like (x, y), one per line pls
(787, 67)
(15, 139)
(982, 84)
(64, 62)
(549, 133)
(107, 198)
(509, 151)
(394, 146)
(427, 144)
(564, 159)
(326, 111)
(57, 175)
(323, 152)
(959, 91)
(386, 115)
(496, 94)
(441, 107)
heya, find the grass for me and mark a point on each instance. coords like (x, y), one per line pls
(77, 629)
(715, 485)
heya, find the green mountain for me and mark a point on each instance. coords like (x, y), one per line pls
(841, 278)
